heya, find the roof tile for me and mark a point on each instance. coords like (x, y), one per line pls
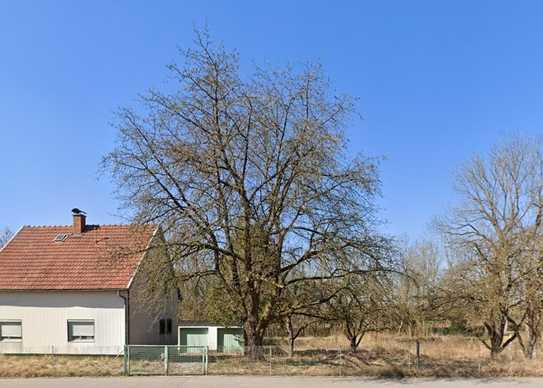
(103, 257)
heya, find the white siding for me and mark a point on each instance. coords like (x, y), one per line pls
(45, 315)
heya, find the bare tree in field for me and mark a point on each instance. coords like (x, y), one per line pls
(416, 287)
(303, 307)
(362, 306)
(5, 235)
(251, 178)
(493, 229)
(295, 325)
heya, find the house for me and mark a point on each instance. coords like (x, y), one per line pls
(217, 337)
(83, 289)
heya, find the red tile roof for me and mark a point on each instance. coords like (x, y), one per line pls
(103, 257)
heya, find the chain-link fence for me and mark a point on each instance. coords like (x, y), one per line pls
(265, 360)
(277, 360)
(165, 360)
(378, 355)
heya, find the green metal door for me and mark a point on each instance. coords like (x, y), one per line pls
(230, 340)
(193, 336)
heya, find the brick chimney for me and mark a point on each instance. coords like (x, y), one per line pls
(80, 220)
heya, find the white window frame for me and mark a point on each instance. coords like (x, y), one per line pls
(11, 339)
(69, 325)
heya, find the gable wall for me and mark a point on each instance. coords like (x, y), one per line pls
(148, 304)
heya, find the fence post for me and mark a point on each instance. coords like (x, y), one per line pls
(340, 363)
(417, 363)
(127, 355)
(166, 363)
(125, 360)
(270, 360)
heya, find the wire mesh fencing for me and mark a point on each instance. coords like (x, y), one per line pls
(277, 360)
(165, 360)
(378, 356)
(264, 360)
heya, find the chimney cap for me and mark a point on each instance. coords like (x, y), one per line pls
(76, 211)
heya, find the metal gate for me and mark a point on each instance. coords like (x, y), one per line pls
(165, 360)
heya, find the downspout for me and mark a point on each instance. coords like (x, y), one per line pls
(126, 301)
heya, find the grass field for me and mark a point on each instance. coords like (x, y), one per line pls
(379, 355)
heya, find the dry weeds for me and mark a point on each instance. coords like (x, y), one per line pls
(379, 355)
(386, 355)
(59, 366)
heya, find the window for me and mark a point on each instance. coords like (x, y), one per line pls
(61, 237)
(165, 326)
(11, 331)
(162, 327)
(81, 331)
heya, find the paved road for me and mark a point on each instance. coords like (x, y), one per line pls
(264, 382)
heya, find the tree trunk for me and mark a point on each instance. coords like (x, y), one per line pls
(496, 334)
(291, 347)
(531, 343)
(496, 339)
(529, 352)
(533, 326)
(291, 336)
(354, 342)
(254, 341)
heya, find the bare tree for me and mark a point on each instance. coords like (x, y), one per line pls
(416, 285)
(500, 213)
(360, 307)
(250, 178)
(5, 235)
(303, 302)
(295, 325)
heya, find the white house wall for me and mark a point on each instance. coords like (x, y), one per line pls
(44, 317)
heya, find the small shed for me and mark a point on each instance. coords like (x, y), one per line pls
(217, 337)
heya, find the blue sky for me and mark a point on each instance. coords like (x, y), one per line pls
(437, 82)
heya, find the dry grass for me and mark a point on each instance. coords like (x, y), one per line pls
(386, 355)
(59, 366)
(379, 355)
